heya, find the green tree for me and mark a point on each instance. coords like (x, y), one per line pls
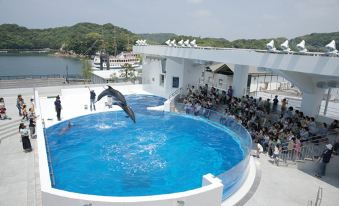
(113, 77)
(86, 69)
(129, 72)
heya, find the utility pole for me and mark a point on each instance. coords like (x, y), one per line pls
(114, 41)
(67, 73)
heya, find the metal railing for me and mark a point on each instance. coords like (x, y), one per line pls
(234, 177)
(310, 149)
(53, 76)
(249, 50)
(175, 93)
(318, 199)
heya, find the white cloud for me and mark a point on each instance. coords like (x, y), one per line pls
(201, 13)
(195, 1)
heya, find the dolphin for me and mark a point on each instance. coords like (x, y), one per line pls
(118, 99)
(116, 95)
(128, 110)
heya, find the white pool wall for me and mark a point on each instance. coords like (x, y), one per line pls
(210, 194)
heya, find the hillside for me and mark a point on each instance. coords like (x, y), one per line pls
(87, 38)
(78, 38)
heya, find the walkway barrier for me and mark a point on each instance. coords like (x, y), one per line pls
(234, 177)
(49, 159)
(310, 149)
(40, 119)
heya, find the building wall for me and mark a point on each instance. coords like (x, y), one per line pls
(219, 81)
(187, 72)
(192, 73)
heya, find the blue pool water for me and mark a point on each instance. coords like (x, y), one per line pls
(107, 154)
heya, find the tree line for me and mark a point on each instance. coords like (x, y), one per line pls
(87, 38)
(82, 38)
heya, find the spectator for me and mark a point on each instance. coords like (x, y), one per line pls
(32, 108)
(2, 109)
(325, 157)
(32, 127)
(267, 106)
(19, 104)
(283, 106)
(24, 112)
(275, 104)
(26, 143)
(230, 92)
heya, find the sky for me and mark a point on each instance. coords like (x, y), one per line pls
(229, 19)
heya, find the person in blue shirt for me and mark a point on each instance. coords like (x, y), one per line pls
(58, 107)
(92, 99)
(325, 157)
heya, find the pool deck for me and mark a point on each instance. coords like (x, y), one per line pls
(19, 173)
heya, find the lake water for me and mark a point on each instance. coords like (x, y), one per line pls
(13, 65)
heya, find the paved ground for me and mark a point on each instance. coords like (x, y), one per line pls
(19, 178)
(290, 186)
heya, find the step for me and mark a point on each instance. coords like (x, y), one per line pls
(9, 134)
(8, 126)
(8, 123)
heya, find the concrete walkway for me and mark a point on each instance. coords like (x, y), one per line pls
(290, 186)
(19, 177)
(19, 171)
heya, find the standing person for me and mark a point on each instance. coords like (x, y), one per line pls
(24, 112)
(32, 108)
(230, 93)
(275, 104)
(283, 106)
(26, 143)
(325, 156)
(267, 106)
(19, 103)
(92, 99)
(32, 127)
(57, 104)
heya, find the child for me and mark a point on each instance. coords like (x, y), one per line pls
(276, 153)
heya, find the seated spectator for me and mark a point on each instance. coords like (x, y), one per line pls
(197, 108)
(312, 127)
(322, 131)
(304, 134)
(2, 109)
(334, 126)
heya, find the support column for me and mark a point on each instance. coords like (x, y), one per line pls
(240, 79)
(311, 102)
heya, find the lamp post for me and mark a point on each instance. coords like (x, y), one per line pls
(67, 73)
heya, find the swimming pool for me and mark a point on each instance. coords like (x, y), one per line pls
(106, 154)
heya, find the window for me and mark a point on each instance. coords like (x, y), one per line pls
(175, 82)
(162, 80)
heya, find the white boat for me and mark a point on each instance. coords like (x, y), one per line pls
(116, 62)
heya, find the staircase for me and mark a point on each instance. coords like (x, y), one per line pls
(307, 161)
(19, 171)
(9, 128)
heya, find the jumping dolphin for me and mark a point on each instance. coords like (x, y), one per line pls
(116, 95)
(127, 109)
(118, 99)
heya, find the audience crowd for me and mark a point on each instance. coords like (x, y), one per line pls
(274, 131)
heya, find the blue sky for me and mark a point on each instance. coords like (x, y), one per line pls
(206, 18)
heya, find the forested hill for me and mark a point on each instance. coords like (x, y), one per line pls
(87, 38)
(78, 38)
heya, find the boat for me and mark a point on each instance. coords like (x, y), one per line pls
(115, 62)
